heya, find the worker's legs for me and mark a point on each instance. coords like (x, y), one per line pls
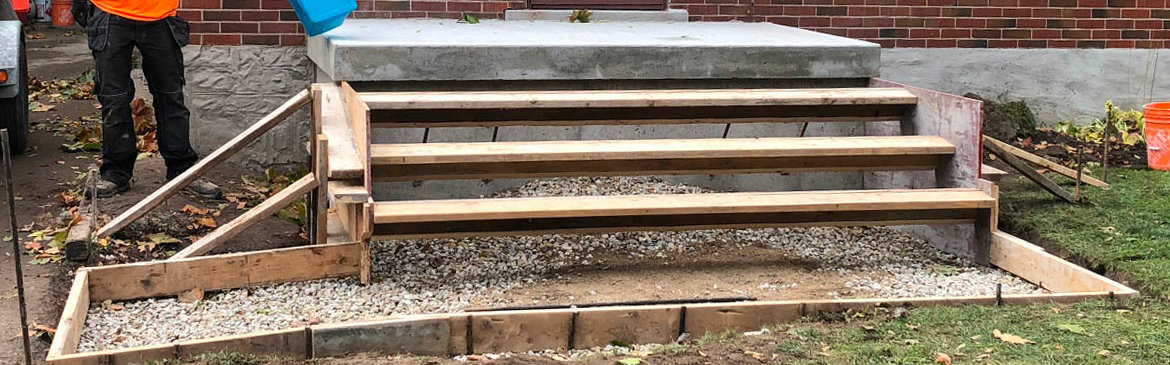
(162, 62)
(112, 40)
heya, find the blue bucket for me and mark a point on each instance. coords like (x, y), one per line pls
(320, 16)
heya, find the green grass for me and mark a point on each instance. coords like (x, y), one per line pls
(1124, 229)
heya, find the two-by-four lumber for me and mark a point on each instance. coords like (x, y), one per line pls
(269, 207)
(215, 158)
(440, 218)
(429, 161)
(72, 317)
(345, 160)
(321, 192)
(1019, 165)
(1043, 162)
(503, 108)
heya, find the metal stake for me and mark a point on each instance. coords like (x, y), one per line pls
(726, 129)
(426, 134)
(1080, 172)
(16, 245)
(495, 133)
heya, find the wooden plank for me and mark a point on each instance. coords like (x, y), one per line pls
(358, 114)
(457, 340)
(344, 160)
(72, 321)
(288, 343)
(430, 161)
(1027, 171)
(1033, 264)
(321, 201)
(517, 331)
(719, 317)
(633, 116)
(257, 213)
(215, 158)
(643, 324)
(679, 204)
(635, 98)
(992, 190)
(347, 191)
(991, 173)
(229, 271)
(1043, 162)
(419, 336)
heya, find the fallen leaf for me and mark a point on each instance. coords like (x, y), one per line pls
(912, 326)
(1056, 310)
(194, 210)
(1074, 329)
(38, 107)
(1104, 353)
(755, 355)
(1010, 338)
(942, 358)
(161, 238)
(629, 361)
(206, 222)
(191, 296)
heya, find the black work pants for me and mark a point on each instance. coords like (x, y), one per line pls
(112, 40)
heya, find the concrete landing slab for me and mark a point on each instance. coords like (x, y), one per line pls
(437, 50)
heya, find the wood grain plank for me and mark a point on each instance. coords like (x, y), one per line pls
(1032, 263)
(72, 316)
(635, 98)
(1043, 162)
(345, 162)
(645, 324)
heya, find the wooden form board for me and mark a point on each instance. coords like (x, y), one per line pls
(634, 98)
(72, 317)
(455, 218)
(521, 330)
(206, 163)
(1043, 162)
(431, 161)
(345, 160)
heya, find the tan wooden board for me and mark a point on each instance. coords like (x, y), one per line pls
(991, 173)
(358, 114)
(1043, 162)
(643, 324)
(425, 336)
(221, 154)
(267, 208)
(347, 191)
(635, 98)
(345, 162)
(1033, 264)
(237, 270)
(745, 316)
(520, 331)
(680, 204)
(433, 161)
(72, 321)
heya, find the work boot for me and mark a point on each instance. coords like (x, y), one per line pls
(105, 189)
(204, 188)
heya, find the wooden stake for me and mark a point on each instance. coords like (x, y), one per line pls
(1105, 157)
(1043, 162)
(1080, 171)
(1009, 158)
(233, 228)
(215, 158)
(321, 194)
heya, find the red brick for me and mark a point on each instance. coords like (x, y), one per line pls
(735, 9)
(1017, 12)
(784, 20)
(888, 43)
(1032, 23)
(877, 22)
(1002, 43)
(261, 39)
(971, 23)
(814, 21)
(911, 43)
(939, 23)
(275, 4)
(862, 33)
(393, 6)
(278, 27)
(1149, 24)
(1034, 3)
(971, 2)
(941, 43)
(361, 5)
(1076, 13)
(987, 12)
(1033, 43)
(971, 43)
(1017, 33)
(216, 15)
(1054, 43)
(909, 22)
(1147, 44)
(912, 2)
(408, 14)
(1001, 23)
(1106, 34)
(860, 11)
(1090, 23)
(1093, 3)
(260, 15)
(1090, 44)
(895, 11)
(221, 39)
(190, 15)
(428, 6)
(1076, 34)
(233, 27)
(986, 33)
(845, 22)
(713, 9)
(940, 2)
(495, 6)
(241, 4)
(204, 27)
(848, 2)
(956, 33)
(1046, 13)
(464, 6)
(881, 2)
(1003, 3)
(1156, 4)
(199, 4)
(834, 31)
(292, 39)
(1119, 23)
(800, 10)
(926, 11)
(1119, 44)
(925, 33)
(1046, 33)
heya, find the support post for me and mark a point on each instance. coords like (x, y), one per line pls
(321, 198)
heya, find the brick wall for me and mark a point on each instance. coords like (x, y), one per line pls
(891, 23)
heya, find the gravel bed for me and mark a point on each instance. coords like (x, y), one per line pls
(448, 275)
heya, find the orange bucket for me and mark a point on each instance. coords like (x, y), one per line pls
(1157, 117)
(62, 17)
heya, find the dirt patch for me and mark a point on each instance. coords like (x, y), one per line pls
(1006, 119)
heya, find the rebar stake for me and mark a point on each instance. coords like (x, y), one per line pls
(16, 253)
(1080, 172)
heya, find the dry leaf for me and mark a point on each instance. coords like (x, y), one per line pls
(194, 210)
(191, 296)
(942, 358)
(1010, 338)
(206, 222)
(1104, 353)
(755, 355)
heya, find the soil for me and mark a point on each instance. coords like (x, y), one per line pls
(46, 170)
(712, 272)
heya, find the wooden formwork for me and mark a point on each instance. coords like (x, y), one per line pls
(478, 332)
(344, 216)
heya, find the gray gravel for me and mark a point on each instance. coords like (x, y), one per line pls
(448, 275)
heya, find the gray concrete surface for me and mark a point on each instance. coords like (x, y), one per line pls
(1058, 84)
(668, 15)
(438, 50)
(230, 88)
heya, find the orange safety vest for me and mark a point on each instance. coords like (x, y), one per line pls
(144, 10)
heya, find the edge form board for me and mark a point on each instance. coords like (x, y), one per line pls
(518, 330)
